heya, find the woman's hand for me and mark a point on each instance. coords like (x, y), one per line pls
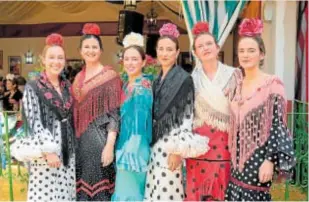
(266, 171)
(173, 161)
(53, 160)
(107, 156)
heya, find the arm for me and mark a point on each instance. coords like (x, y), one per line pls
(39, 140)
(112, 127)
(279, 146)
(186, 143)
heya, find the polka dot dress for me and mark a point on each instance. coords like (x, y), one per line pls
(208, 174)
(95, 182)
(45, 183)
(245, 185)
(162, 183)
(51, 184)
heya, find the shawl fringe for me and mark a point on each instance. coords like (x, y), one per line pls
(205, 114)
(254, 129)
(98, 101)
(174, 117)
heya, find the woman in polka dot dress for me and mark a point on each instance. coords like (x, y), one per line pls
(172, 137)
(96, 91)
(208, 174)
(49, 145)
(259, 140)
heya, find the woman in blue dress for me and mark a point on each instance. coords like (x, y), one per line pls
(133, 144)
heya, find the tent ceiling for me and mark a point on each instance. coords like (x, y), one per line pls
(36, 12)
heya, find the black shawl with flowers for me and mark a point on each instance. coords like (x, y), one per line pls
(61, 106)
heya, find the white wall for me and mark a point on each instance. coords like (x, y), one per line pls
(280, 41)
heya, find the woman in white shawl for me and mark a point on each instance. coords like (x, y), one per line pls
(214, 82)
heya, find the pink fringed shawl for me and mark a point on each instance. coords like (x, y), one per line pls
(95, 97)
(251, 119)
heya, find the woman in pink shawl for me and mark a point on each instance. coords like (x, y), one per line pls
(259, 141)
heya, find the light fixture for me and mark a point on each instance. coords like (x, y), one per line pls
(152, 18)
(129, 4)
(29, 57)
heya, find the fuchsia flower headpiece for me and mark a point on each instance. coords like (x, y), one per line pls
(54, 40)
(169, 29)
(92, 29)
(200, 27)
(250, 27)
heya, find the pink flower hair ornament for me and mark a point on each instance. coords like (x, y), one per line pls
(250, 27)
(169, 29)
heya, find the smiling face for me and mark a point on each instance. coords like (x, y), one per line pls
(11, 85)
(167, 52)
(90, 50)
(54, 60)
(133, 62)
(206, 48)
(249, 54)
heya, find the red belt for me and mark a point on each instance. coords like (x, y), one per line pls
(248, 186)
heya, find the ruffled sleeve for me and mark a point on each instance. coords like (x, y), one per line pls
(182, 140)
(280, 144)
(39, 139)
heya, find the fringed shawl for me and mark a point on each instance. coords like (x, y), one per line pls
(95, 97)
(173, 100)
(251, 119)
(61, 106)
(212, 97)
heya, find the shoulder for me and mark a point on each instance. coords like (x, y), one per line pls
(276, 85)
(228, 71)
(227, 67)
(273, 81)
(182, 74)
(30, 85)
(18, 94)
(110, 69)
(146, 83)
(111, 73)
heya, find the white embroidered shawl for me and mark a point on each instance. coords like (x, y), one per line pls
(211, 100)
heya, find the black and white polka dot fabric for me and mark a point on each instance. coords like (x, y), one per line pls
(162, 183)
(45, 183)
(245, 185)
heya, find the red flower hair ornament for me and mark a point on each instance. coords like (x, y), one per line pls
(169, 29)
(200, 27)
(91, 29)
(250, 27)
(54, 40)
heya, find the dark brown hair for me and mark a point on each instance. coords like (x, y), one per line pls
(258, 39)
(14, 82)
(89, 36)
(139, 49)
(175, 40)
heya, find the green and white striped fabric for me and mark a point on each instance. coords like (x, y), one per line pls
(220, 14)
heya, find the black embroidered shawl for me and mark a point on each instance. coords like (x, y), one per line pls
(51, 102)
